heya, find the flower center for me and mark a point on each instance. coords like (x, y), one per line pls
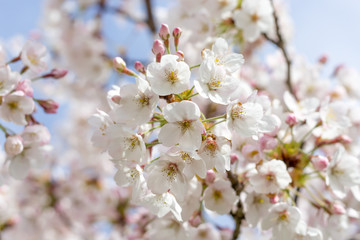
(13, 105)
(185, 125)
(173, 77)
(186, 157)
(254, 18)
(134, 142)
(270, 177)
(171, 171)
(33, 59)
(143, 100)
(283, 216)
(211, 144)
(238, 111)
(217, 195)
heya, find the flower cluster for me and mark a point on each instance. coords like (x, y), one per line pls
(255, 157)
(30, 147)
(264, 137)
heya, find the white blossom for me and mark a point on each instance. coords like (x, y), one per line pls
(183, 127)
(15, 106)
(32, 54)
(8, 80)
(271, 177)
(219, 196)
(254, 17)
(343, 171)
(283, 219)
(169, 76)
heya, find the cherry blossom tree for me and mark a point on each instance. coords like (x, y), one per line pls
(206, 124)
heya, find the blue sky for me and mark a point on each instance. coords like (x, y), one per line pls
(321, 26)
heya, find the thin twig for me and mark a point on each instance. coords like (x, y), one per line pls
(239, 215)
(150, 17)
(281, 44)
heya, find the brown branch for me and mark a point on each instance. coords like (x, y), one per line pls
(126, 14)
(239, 215)
(281, 44)
(150, 18)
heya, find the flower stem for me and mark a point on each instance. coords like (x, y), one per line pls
(156, 142)
(151, 129)
(214, 118)
(215, 124)
(195, 66)
(177, 95)
(193, 95)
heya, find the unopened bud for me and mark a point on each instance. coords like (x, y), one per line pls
(181, 56)
(291, 120)
(274, 199)
(323, 59)
(13, 145)
(176, 34)
(164, 32)
(158, 49)
(210, 176)
(233, 158)
(195, 221)
(58, 73)
(119, 64)
(116, 99)
(55, 73)
(345, 139)
(338, 208)
(25, 86)
(320, 163)
(140, 67)
(49, 106)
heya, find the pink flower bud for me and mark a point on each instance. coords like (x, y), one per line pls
(177, 32)
(164, 32)
(291, 120)
(116, 99)
(140, 67)
(25, 86)
(181, 56)
(119, 64)
(320, 163)
(323, 59)
(58, 73)
(338, 208)
(55, 73)
(345, 139)
(274, 199)
(13, 145)
(195, 221)
(158, 49)
(233, 158)
(49, 106)
(210, 176)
